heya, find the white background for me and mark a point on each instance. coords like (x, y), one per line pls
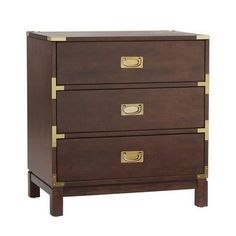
(155, 213)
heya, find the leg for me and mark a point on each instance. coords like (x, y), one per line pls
(201, 193)
(56, 202)
(33, 189)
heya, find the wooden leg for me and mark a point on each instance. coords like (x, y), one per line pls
(201, 193)
(56, 202)
(33, 189)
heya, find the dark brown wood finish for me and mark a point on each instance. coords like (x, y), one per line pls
(119, 187)
(201, 196)
(128, 188)
(39, 73)
(106, 36)
(129, 133)
(103, 161)
(77, 63)
(206, 58)
(130, 86)
(166, 108)
(33, 189)
(137, 180)
(40, 183)
(206, 97)
(87, 160)
(56, 201)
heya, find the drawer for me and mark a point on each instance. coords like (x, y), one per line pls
(143, 109)
(100, 62)
(130, 157)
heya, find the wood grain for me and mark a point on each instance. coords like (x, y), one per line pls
(56, 202)
(128, 188)
(88, 112)
(99, 158)
(33, 189)
(100, 110)
(39, 72)
(164, 61)
(201, 193)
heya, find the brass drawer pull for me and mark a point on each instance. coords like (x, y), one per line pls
(132, 109)
(132, 156)
(131, 62)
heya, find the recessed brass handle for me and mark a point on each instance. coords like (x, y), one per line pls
(132, 156)
(131, 62)
(132, 109)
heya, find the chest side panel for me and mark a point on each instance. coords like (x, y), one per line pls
(39, 72)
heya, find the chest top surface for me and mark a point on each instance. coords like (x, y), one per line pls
(116, 35)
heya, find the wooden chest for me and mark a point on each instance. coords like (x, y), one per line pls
(113, 112)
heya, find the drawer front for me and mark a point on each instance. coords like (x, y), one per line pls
(130, 109)
(101, 158)
(130, 62)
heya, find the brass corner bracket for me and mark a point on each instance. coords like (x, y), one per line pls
(56, 38)
(204, 175)
(205, 130)
(205, 83)
(55, 183)
(56, 88)
(56, 136)
(202, 37)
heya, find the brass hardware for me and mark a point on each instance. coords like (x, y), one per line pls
(55, 183)
(56, 38)
(132, 156)
(56, 88)
(202, 37)
(131, 62)
(204, 175)
(136, 109)
(204, 130)
(56, 136)
(205, 83)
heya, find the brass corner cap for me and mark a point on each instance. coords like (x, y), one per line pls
(203, 175)
(56, 38)
(202, 37)
(55, 183)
